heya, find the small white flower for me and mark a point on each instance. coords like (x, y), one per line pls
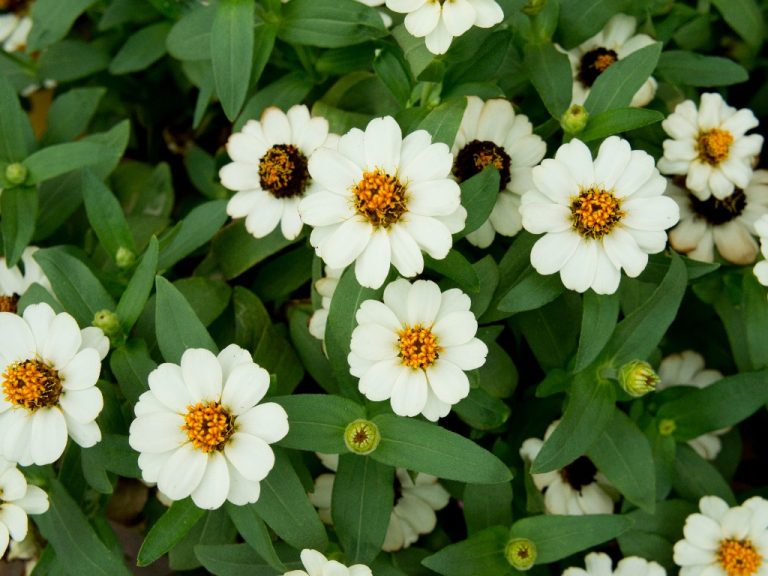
(598, 217)
(414, 347)
(761, 268)
(440, 21)
(413, 514)
(492, 134)
(15, 24)
(728, 223)
(615, 41)
(201, 430)
(325, 286)
(49, 372)
(724, 541)
(17, 500)
(14, 283)
(382, 200)
(316, 564)
(600, 564)
(710, 147)
(269, 169)
(687, 369)
(577, 489)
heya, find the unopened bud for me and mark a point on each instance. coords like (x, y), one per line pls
(124, 257)
(574, 119)
(667, 427)
(108, 321)
(638, 378)
(362, 436)
(520, 553)
(16, 173)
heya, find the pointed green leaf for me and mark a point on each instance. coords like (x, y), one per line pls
(178, 327)
(253, 530)
(19, 210)
(318, 421)
(598, 319)
(444, 120)
(232, 41)
(550, 73)
(169, 530)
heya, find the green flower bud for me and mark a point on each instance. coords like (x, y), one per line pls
(638, 378)
(124, 257)
(533, 7)
(108, 321)
(362, 436)
(574, 119)
(520, 553)
(16, 173)
(667, 427)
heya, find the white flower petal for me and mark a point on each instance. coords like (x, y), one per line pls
(246, 386)
(250, 455)
(213, 488)
(182, 472)
(267, 421)
(48, 435)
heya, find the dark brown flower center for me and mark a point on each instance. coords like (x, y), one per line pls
(476, 155)
(594, 63)
(283, 171)
(19, 7)
(579, 473)
(9, 303)
(718, 211)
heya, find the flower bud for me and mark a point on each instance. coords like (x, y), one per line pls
(638, 378)
(124, 257)
(667, 427)
(108, 321)
(362, 436)
(533, 7)
(520, 553)
(16, 173)
(574, 119)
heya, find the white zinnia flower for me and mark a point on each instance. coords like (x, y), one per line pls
(598, 216)
(615, 41)
(577, 489)
(600, 564)
(492, 134)
(439, 22)
(15, 24)
(414, 347)
(413, 514)
(14, 283)
(269, 169)
(724, 541)
(325, 286)
(49, 370)
(17, 499)
(710, 146)
(728, 223)
(383, 199)
(318, 565)
(201, 430)
(687, 369)
(761, 268)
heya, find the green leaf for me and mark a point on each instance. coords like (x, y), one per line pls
(622, 453)
(126, 12)
(482, 411)
(141, 50)
(550, 73)
(695, 477)
(178, 327)
(232, 41)
(232, 560)
(363, 493)
(53, 19)
(237, 251)
(19, 210)
(616, 86)
(67, 529)
(531, 291)
(425, 447)
(62, 158)
(76, 287)
(15, 130)
(114, 453)
(444, 120)
(72, 59)
(618, 120)
(487, 505)
(457, 268)
(559, 536)
(390, 66)
(498, 376)
(190, 36)
(582, 19)
(481, 554)
(253, 530)
(283, 275)
(213, 528)
(169, 530)
(639, 333)
(724, 403)
(330, 23)
(106, 216)
(197, 228)
(71, 113)
(589, 410)
(318, 421)
(289, 90)
(478, 195)
(755, 306)
(745, 17)
(284, 506)
(552, 331)
(139, 287)
(488, 273)
(510, 268)
(598, 319)
(310, 352)
(131, 365)
(693, 69)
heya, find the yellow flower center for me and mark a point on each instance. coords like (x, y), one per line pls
(713, 146)
(595, 212)
(380, 198)
(283, 171)
(208, 426)
(739, 557)
(32, 384)
(418, 347)
(9, 303)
